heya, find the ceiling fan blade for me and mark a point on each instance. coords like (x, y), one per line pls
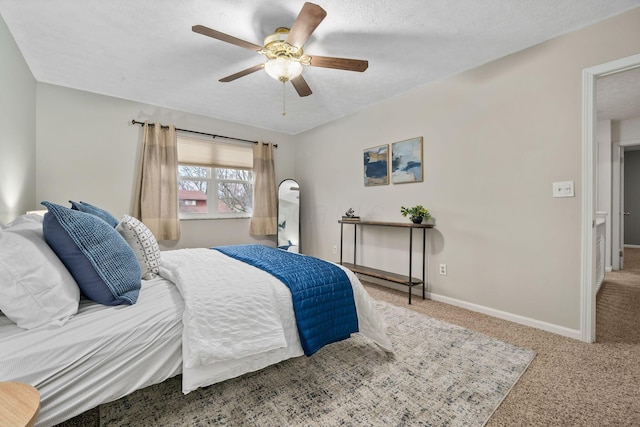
(225, 37)
(339, 63)
(310, 16)
(242, 73)
(301, 86)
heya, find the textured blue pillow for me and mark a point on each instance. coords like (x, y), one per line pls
(94, 210)
(97, 256)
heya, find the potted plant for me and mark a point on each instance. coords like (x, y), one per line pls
(416, 213)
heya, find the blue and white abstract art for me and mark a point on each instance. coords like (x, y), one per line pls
(406, 161)
(376, 165)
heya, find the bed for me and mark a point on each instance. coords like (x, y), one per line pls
(95, 353)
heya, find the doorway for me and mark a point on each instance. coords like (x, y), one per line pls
(631, 196)
(623, 180)
(590, 187)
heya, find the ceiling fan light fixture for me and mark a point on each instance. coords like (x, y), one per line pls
(279, 36)
(284, 51)
(283, 68)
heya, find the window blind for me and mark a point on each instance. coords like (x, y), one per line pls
(199, 152)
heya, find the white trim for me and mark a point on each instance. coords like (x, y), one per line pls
(629, 142)
(616, 199)
(587, 276)
(632, 246)
(515, 318)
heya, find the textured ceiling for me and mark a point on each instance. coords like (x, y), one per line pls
(618, 95)
(144, 50)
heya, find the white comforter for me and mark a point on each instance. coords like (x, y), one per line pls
(229, 313)
(238, 318)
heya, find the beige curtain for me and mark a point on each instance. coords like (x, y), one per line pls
(156, 197)
(265, 203)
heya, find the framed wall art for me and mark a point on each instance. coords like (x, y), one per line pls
(376, 165)
(406, 161)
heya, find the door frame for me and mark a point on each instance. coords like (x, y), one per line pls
(617, 200)
(589, 187)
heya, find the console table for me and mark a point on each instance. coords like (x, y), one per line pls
(381, 274)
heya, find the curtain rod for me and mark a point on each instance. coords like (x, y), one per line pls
(135, 122)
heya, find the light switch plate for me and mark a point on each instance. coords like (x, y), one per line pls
(563, 189)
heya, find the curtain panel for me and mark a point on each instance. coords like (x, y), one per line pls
(156, 194)
(264, 221)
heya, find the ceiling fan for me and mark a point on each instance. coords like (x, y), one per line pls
(283, 49)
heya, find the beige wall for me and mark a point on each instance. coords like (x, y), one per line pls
(17, 135)
(495, 138)
(87, 149)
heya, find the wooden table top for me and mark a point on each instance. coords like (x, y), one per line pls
(407, 224)
(19, 404)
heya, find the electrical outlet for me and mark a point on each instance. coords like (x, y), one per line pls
(443, 269)
(335, 249)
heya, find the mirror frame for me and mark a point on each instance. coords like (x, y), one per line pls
(291, 181)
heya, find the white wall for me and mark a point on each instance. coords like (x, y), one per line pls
(495, 138)
(626, 131)
(87, 149)
(17, 136)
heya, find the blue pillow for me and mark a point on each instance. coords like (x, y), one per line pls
(93, 210)
(97, 256)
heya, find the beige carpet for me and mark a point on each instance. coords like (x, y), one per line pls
(440, 375)
(569, 383)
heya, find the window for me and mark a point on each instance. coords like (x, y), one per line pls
(215, 180)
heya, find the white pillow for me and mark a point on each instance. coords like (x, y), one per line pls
(36, 289)
(143, 243)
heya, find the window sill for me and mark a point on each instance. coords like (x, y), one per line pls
(215, 218)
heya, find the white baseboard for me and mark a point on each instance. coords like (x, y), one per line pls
(515, 318)
(632, 246)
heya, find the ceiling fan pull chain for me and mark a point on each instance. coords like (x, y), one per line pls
(284, 110)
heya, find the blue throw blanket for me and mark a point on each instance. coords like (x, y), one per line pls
(321, 292)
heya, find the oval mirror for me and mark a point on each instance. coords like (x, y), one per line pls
(289, 216)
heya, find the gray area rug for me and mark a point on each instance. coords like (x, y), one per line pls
(440, 375)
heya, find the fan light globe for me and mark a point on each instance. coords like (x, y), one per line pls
(283, 69)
